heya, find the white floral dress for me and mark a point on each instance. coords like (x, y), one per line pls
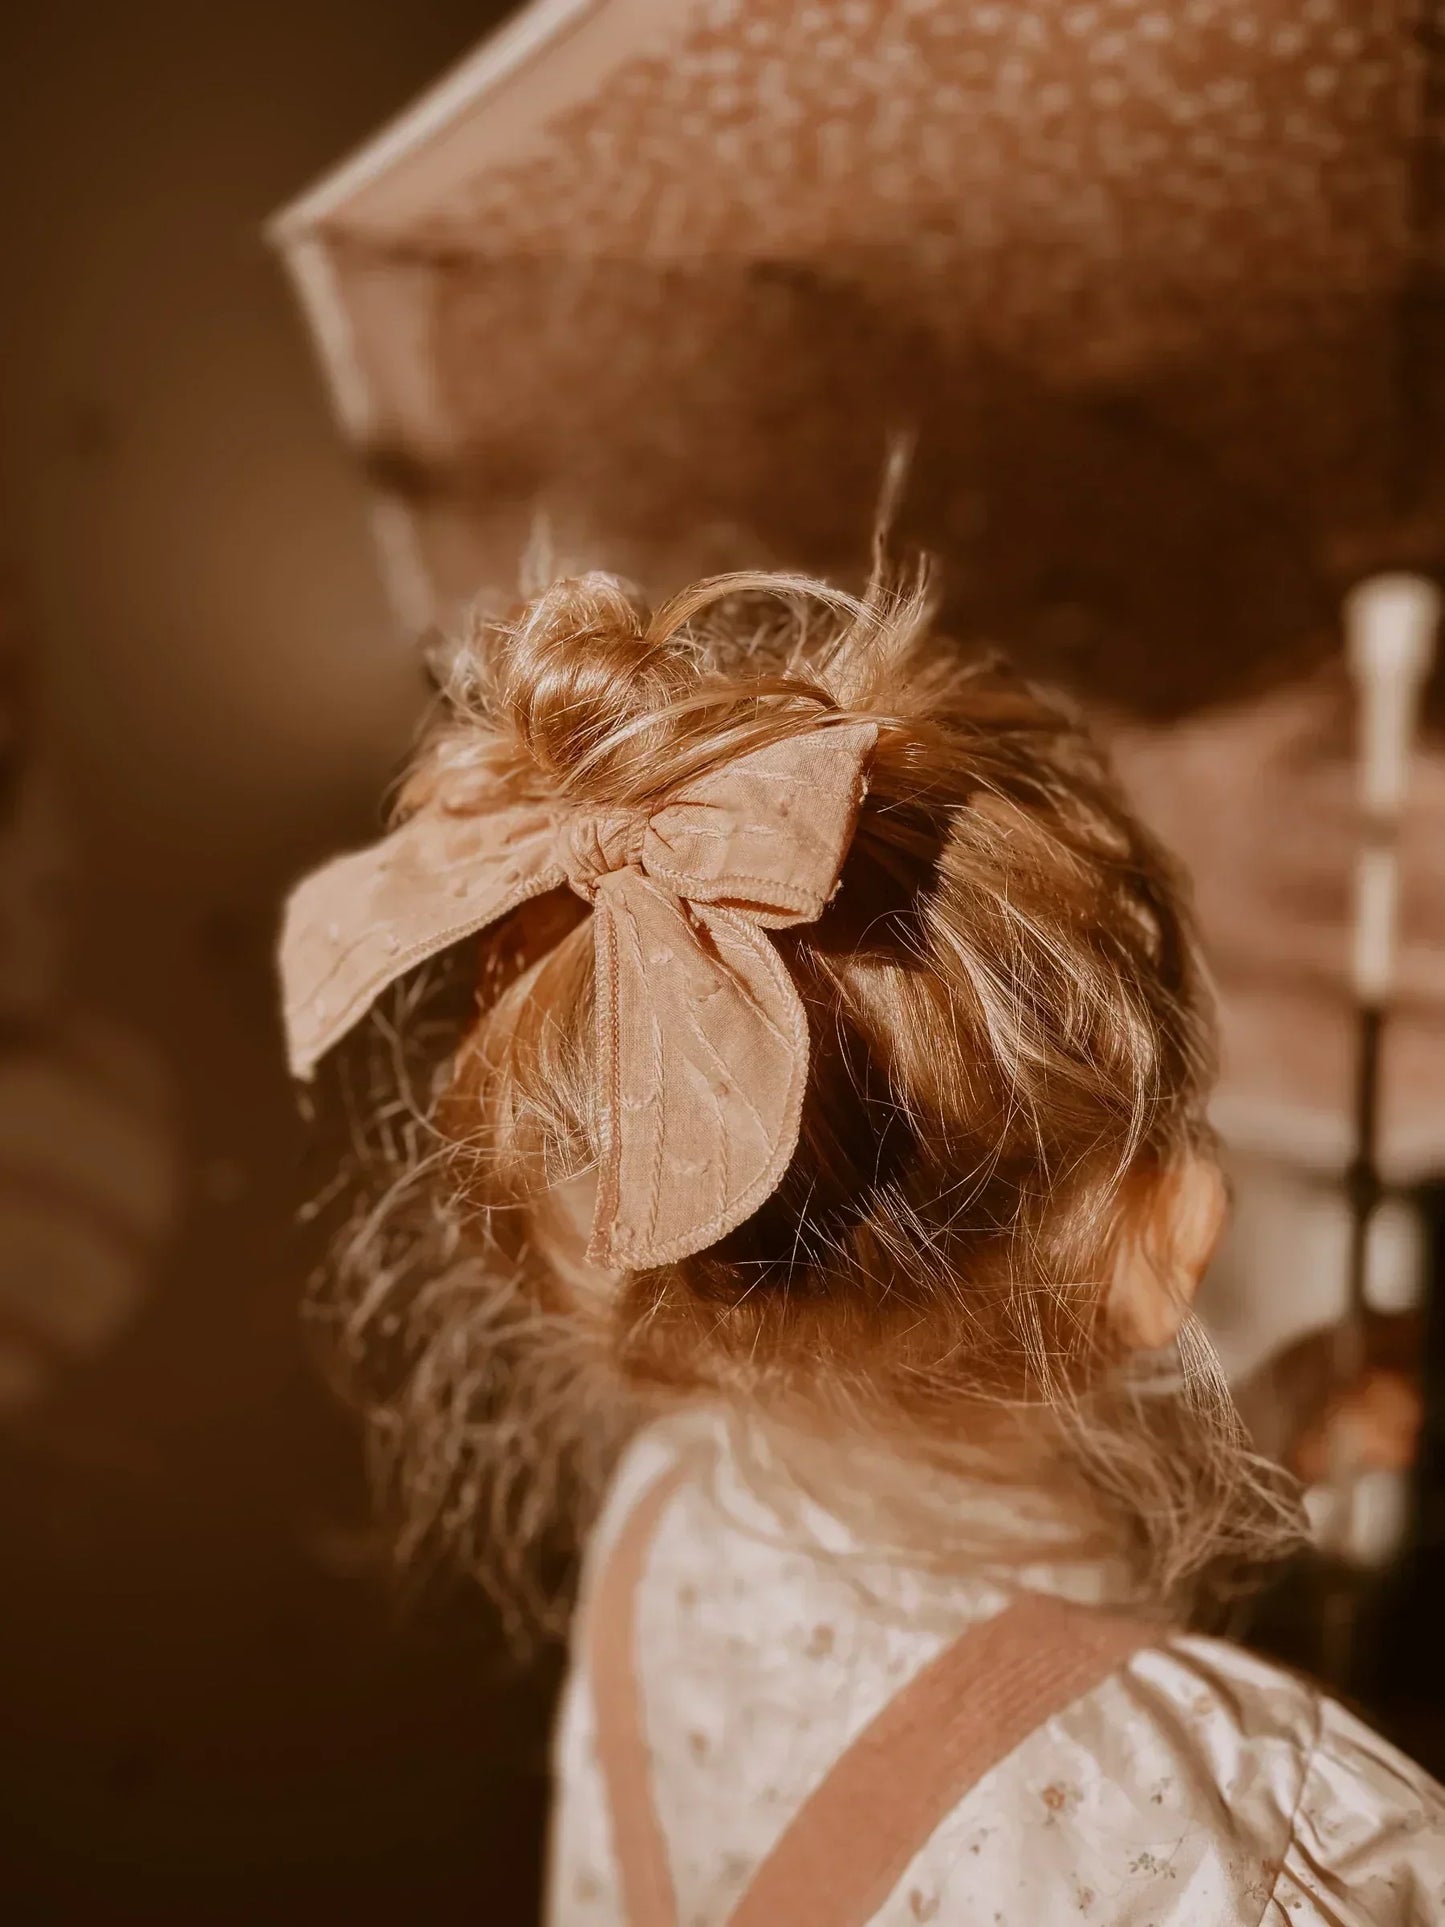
(1197, 1784)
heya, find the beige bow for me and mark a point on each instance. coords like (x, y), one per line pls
(702, 1041)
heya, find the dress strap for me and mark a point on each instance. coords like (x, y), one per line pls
(622, 1746)
(852, 1839)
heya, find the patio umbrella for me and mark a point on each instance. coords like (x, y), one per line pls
(1157, 287)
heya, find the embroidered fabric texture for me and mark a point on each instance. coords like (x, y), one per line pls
(702, 1038)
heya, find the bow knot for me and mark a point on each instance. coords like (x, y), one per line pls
(702, 1040)
(593, 846)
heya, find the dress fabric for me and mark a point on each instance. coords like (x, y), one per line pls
(1196, 1785)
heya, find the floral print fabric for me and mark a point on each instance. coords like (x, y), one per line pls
(1197, 1785)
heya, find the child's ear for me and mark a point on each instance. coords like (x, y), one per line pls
(1169, 1235)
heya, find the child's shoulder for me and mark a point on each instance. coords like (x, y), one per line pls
(1360, 1827)
(1216, 1685)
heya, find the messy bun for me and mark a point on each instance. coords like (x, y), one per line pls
(1006, 1026)
(571, 672)
(585, 694)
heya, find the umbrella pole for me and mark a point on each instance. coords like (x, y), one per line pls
(1339, 1592)
(1390, 624)
(1364, 1189)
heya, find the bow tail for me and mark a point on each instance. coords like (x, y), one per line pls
(702, 1063)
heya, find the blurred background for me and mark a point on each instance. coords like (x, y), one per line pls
(210, 1707)
(1156, 294)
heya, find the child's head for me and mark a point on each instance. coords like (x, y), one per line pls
(949, 1213)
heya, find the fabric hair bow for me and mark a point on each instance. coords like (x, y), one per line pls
(702, 1040)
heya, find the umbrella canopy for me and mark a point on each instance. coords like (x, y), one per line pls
(1155, 285)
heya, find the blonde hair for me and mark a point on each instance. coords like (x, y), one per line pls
(1008, 1034)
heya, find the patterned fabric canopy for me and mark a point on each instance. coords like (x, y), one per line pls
(1156, 286)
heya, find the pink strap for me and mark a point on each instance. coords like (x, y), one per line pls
(852, 1839)
(637, 1837)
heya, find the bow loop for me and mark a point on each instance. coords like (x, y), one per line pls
(767, 832)
(361, 922)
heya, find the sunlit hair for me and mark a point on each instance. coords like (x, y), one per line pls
(1008, 1039)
